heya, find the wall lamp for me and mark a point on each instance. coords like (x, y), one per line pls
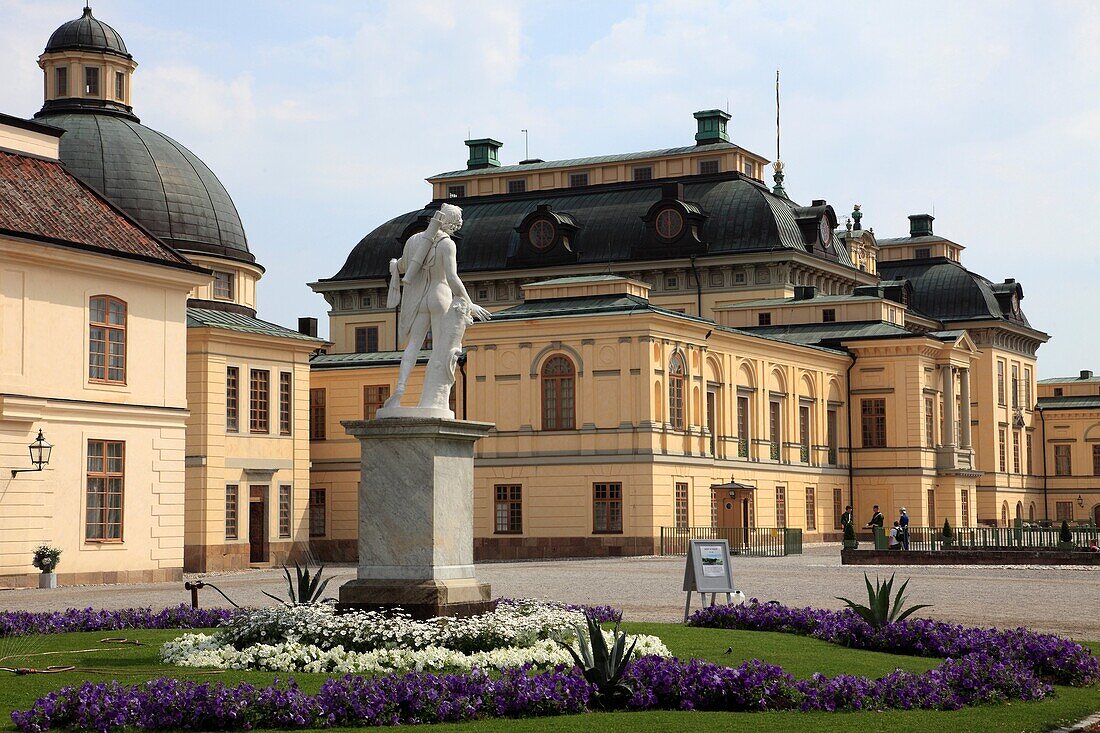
(40, 455)
(1080, 501)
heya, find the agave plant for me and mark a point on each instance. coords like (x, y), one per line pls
(308, 588)
(879, 610)
(601, 666)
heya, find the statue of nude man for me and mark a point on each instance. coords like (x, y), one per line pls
(424, 282)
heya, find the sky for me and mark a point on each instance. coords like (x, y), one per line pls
(324, 118)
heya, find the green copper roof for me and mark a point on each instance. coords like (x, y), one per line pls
(368, 359)
(817, 299)
(576, 279)
(594, 161)
(1070, 380)
(830, 333)
(1077, 402)
(205, 318)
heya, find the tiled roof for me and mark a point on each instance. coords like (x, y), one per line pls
(1077, 402)
(206, 318)
(40, 199)
(368, 359)
(595, 160)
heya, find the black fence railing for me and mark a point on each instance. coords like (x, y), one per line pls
(754, 542)
(931, 538)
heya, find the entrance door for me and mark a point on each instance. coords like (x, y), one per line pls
(257, 524)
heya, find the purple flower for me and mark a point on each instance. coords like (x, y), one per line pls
(23, 623)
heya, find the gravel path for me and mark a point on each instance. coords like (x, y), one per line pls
(1056, 599)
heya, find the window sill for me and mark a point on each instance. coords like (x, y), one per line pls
(97, 543)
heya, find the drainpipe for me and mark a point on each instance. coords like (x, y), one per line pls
(698, 288)
(1043, 420)
(851, 480)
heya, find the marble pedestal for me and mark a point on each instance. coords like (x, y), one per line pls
(416, 529)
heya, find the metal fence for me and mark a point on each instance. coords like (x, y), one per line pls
(931, 538)
(754, 542)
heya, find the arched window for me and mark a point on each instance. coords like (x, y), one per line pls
(558, 394)
(676, 391)
(1004, 514)
(1031, 512)
(106, 340)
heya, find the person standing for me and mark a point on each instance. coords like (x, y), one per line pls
(877, 520)
(903, 526)
(846, 517)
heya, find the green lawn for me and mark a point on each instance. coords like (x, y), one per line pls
(798, 655)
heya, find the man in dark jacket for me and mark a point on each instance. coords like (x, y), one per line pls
(877, 520)
(846, 517)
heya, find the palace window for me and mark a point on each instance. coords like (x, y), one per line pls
(747, 168)
(284, 510)
(223, 285)
(317, 413)
(366, 339)
(558, 394)
(259, 390)
(929, 422)
(1001, 383)
(775, 429)
(105, 478)
(764, 319)
(106, 340)
(681, 505)
(1028, 404)
(828, 315)
(232, 399)
(922, 253)
(91, 81)
(1062, 464)
(643, 173)
(780, 506)
(1096, 460)
(804, 433)
(1057, 391)
(578, 179)
(1015, 386)
(742, 426)
(1016, 451)
(456, 192)
(607, 508)
(838, 503)
(61, 81)
(1029, 471)
(365, 302)
(509, 509)
(811, 509)
(676, 391)
(120, 86)
(284, 402)
(231, 511)
(1001, 450)
(374, 396)
(832, 426)
(873, 422)
(517, 185)
(964, 504)
(709, 167)
(1063, 511)
(738, 278)
(317, 512)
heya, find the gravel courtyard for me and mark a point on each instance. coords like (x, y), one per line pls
(1057, 599)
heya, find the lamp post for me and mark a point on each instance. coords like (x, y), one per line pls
(40, 455)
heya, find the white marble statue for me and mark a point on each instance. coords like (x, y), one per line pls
(424, 282)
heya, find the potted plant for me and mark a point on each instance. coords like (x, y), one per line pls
(947, 533)
(850, 542)
(1065, 539)
(46, 559)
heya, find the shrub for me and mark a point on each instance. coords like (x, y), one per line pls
(880, 610)
(46, 558)
(947, 533)
(1064, 535)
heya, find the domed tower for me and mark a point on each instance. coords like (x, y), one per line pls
(160, 183)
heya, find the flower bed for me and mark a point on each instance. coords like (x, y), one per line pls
(23, 623)
(317, 639)
(1050, 657)
(659, 683)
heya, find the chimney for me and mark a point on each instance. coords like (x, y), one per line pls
(307, 326)
(805, 292)
(1086, 374)
(483, 153)
(712, 127)
(920, 225)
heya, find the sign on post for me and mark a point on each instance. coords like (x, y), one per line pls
(707, 570)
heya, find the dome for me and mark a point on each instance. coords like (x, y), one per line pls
(738, 215)
(154, 179)
(86, 33)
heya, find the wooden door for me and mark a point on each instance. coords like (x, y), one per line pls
(257, 524)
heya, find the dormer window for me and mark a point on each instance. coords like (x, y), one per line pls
(91, 81)
(669, 224)
(456, 192)
(922, 253)
(61, 80)
(643, 173)
(542, 234)
(764, 319)
(747, 168)
(517, 185)
(223, 285)
(709, 167)
(578, 179)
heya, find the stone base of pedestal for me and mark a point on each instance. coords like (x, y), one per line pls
(421, 599)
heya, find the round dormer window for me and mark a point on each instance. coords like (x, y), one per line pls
(541, 234)
(669, 224)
